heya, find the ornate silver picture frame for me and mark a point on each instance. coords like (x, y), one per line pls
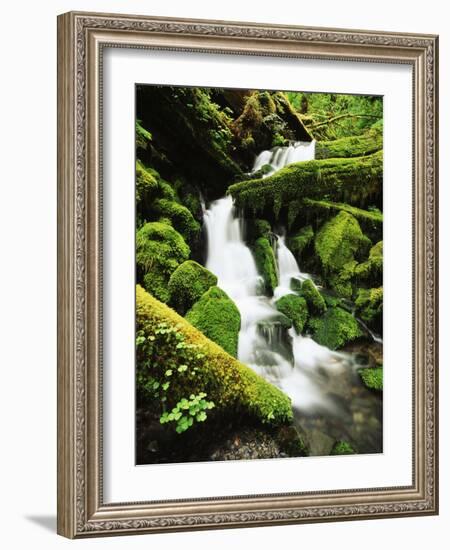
(82, 510)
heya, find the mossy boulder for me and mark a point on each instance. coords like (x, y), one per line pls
(217, 316)
(300, 242)
(294, 308)
(342, 448)
(180, 217)
(315, 301)
(233, 387)
(369, 307)
(351, 146)
(188, 283)
(149, 186)
(356, 181)
(160, 249)
(335, 329)
(266, 263)
(372, 378)
(370, 272)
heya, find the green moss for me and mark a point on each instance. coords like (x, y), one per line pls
(353, 146)
(372, 378)
(216, 315)
(143, 136)
(335, 329)
(370, 272)
(231, 385)
(187, 284)
(300, 241)
(369, 307)
(160, 249)
(315, 301)
(357, 181)
(342, 448)
(266, 263)
(181, 218)
(295, 309)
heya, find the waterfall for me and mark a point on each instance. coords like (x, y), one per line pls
(288, 269)
(278, 157)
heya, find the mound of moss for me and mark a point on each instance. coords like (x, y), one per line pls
(357, 181)
(229, 384)
(160, 249)
(299, 242)
(180, 217)
(295, 309)
(371, 271)
(315, 301)
(217, 316)
(369, 307)
(335, 329)
(187, 284)
(352, 146)
(372, 378)
(342, 448)
(266, 263)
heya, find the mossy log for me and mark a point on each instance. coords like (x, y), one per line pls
(231, 385)
(353, 146)
(356, 181)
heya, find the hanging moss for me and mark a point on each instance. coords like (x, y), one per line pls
(372, 378)
(342, 448)
(187, 284)
(353, 146)
(232, 386)
(295, 309)
(159, 251)
(335, 329)
(315, 301)
(369, 307)
(216, 315)
(357, 181)
(266, 263)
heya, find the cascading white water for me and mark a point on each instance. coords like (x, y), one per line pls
(288, 269)
(278, 157)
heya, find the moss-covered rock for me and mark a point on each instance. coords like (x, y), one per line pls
(149, 186)
(160, 249)
(370, 272)
(342, 448)
(266, 263)
(217, 316)
(372, 378)
(369, 307)
(352, 146)
(315, 301)
(187, 284)
(357, 181)
(181, 218)
(335, 329)
(143, 136)
(232, 386)
(295, 309)
(300, 241)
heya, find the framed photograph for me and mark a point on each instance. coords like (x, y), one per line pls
(247, 286)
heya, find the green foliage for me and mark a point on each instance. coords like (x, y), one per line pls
(230, 385)
(352, 146)
(180, 217)
(352, 180)
(369, 307)
(160, 249)
(342, 448)
(187, 284)
(278, 140)
(188, 411)
(295, 309)
(371, 271)
(372, 378)
(315, 301)
(216, 315)
(266, 263)
(335, 329)
(300, 241)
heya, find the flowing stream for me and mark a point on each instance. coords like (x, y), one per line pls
(329, 402)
